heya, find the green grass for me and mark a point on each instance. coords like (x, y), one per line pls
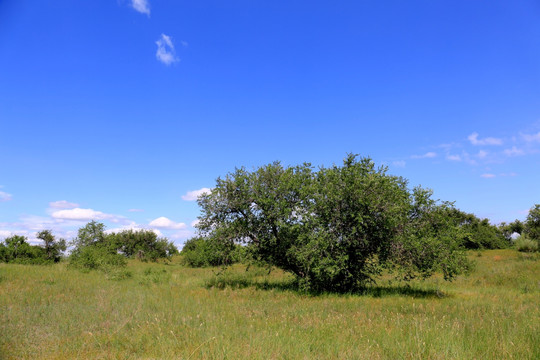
(159, 311)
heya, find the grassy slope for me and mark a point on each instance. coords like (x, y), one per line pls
(165, 311)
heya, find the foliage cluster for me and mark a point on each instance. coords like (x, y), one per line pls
(478, 233)
(336, 228)
(16, 249)
(209, 251)
(525, 244)
(95, 249)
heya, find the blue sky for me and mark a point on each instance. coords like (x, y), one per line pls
(123, 110)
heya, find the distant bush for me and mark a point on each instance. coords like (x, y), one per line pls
(524, 244)
(94, 249)
(16, 249)
(96, 258)
(476, 233)
(142, 244)
(202, 252)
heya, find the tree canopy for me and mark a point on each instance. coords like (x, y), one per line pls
(336, 228)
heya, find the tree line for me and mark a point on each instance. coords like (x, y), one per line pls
(92, 248)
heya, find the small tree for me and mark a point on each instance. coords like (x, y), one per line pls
(91, 234)
(53, 248)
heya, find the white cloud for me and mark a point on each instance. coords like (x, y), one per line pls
(166, 223)
(135, 227)
(399, 163)
(135, 210)
(4, 196)
(195, 223)
(482, 154)
(4, 234)
(514, 151)
(165, 50)
(531, 137)
(62, 204)
(488, 176)
(141, 6)
(182, 235)
(85, 215)
(453, 157)
(194, 195)
(473, 138)
(428, 155)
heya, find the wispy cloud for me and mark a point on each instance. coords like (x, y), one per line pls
(135, 210)
(194, 195)
(473, 138)
(482, 154)
(514, 151)
(4, 196)
(166, 223)
(399, 163)
(62, 204)
(142, 6)
(488, 176)
(165, 50)
(531, 137)
(428, 155)
(453, 157)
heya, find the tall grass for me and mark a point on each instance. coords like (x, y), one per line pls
(165, 311)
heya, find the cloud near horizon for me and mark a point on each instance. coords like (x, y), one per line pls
(194, 195)
(166, 223)
(134, 227)
(79, 214)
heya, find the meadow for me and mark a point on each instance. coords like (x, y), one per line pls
(169, 311)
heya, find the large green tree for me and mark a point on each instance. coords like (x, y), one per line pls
(335, 228)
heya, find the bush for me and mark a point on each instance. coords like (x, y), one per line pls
(17, 250)
(143, 244)
(525, 244)
(96, 258)
(203, 252)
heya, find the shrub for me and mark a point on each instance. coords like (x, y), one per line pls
(96, 258)
(143, 244)
(17, 250)
(208, 251)
(524, 244)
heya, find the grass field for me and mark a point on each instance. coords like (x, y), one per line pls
(167, 311)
